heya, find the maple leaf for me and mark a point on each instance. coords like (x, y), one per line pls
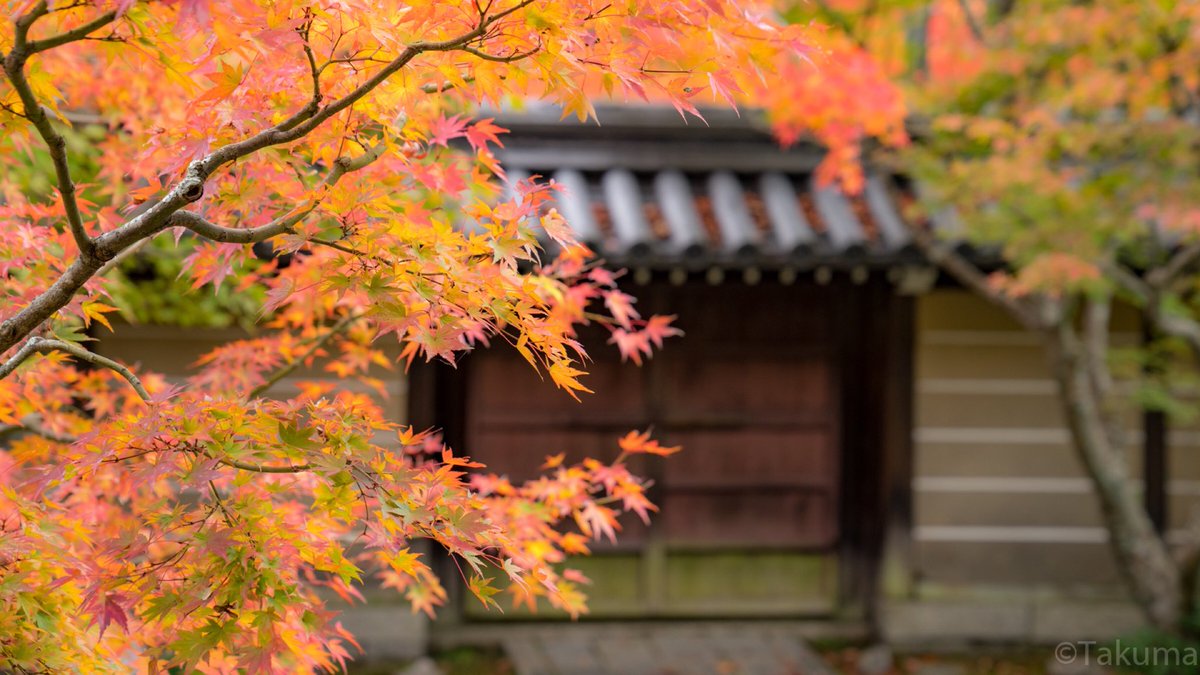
(94, 310)
(659, 327)
(481, 587)
(566, 377)
(111, 611)
(636, 442)
(597, 521)
(482, 132)
(631, 344)
(444, 129)
(620, 304)
(556, 226)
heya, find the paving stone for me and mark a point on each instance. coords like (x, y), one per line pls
(629, 654)
(876, 660)
(664, 650)
(527, 657)
(571, 654)
(797, 656)
(422, 666)
(687, 652)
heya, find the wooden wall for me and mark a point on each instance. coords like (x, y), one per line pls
(999, 496)
(750, 510)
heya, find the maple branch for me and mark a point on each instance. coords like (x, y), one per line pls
(971, 21)
(343, 248)
(73, 35)
(191, 187)
(30, 424)
(39, 345)
(1179, 263)
(944, 256)
(292, 365)
(447, 85)
(315, 72)
(122, 257)
(14, 67)
(1148, 295)
(517, 56)
(282, 225)
(1097, 315)
(264, 468)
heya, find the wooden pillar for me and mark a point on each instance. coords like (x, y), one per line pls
(877, 467)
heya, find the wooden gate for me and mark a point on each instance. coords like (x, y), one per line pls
(750, 508)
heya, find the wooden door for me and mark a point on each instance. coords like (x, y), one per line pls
(749, 520)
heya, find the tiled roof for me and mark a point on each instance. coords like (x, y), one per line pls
(702, 196)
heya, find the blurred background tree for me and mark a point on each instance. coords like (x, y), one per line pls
(1064, 135)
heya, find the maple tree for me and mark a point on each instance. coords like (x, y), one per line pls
(1061, 136)
(148, 525)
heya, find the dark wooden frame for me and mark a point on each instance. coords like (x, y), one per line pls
(876, 384)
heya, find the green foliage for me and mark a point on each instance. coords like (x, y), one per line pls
(148, 288)
(1156, 652)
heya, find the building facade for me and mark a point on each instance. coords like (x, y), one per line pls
(866, 445)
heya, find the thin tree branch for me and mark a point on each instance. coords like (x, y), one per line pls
(264, 468)
(970, 276)
(972, 21)
(502, 59)
(122, 257)
(14, 68)
(1180, 262)
(447, 85)
(282, 225)
(1173, 325)
(39, 345)
(73, 35)
(1097, 316)
(292, 365)
(314, 71)
(191, 187)
(31, 424)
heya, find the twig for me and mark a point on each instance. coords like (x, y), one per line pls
(1179, 263)
(292, 365)
(517, 56)
(264, 468)
(944, 256)
(282, 225)
(38, 345)
(972, 22)
(73, 35)
(190, 188)
(14, 67)
(31, 424)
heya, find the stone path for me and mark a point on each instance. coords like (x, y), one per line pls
(665, 650)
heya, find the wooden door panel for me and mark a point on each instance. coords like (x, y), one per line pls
(753, 458)
(520, 452)
(768, 387)
(718, 519)
(794, 318)
(505, 388)
(761, 583)
(751, 392)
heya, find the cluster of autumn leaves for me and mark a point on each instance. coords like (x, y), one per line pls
(150, 524)
(194, 522)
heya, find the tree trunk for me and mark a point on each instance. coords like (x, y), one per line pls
(1142, 556)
